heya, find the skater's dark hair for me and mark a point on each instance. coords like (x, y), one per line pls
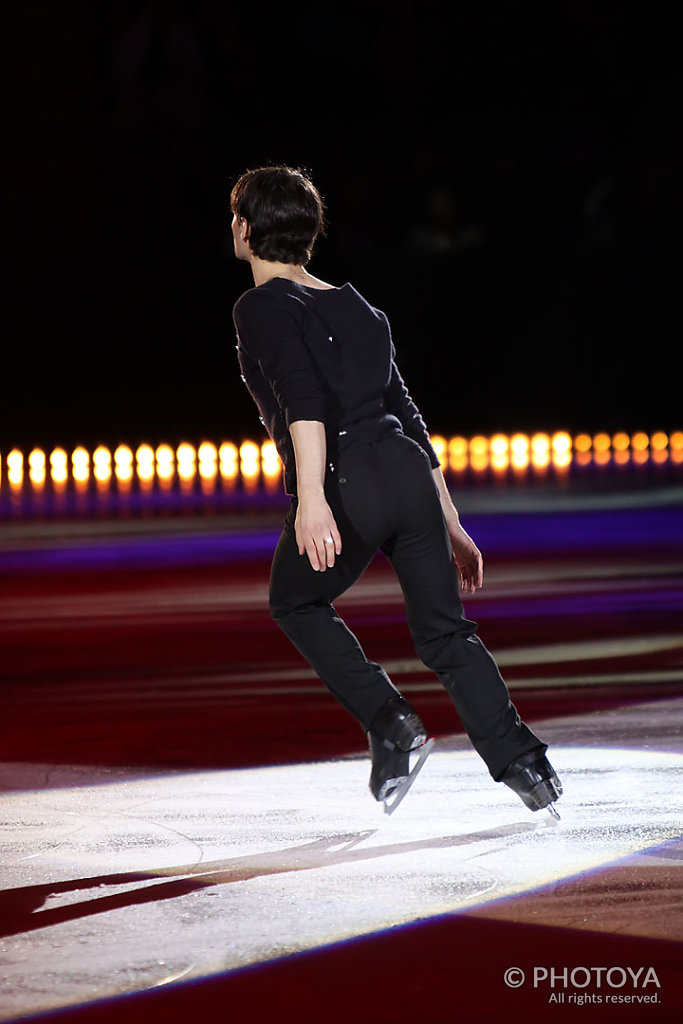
(284, 210)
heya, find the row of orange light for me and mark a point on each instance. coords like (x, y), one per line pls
(519, 451)
(251, 460)
(145, 462)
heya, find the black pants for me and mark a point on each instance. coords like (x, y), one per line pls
(383, 495)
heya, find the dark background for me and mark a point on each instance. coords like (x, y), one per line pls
(502, 178)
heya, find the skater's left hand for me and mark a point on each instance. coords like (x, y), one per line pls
(467, 558)
(466, 553)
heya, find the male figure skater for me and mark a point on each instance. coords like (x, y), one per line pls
(320, 365)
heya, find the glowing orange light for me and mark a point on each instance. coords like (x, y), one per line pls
(457, 447)
(59, 464)
(15, 468)
(540, 443)
(520, 460)
(164, 455)
(123, 456)
(185, 456)
(561, 443)
(479, 461)
(562, 460)
(144, 459)
(144, 455)
(185, 452)
(228, 452)
(499, 445)
(602, 443)
(457, 454)
(498, 452)
(500, 461)
(123, 464)
(228, 456)
(270, 460)
(519, 443)
(540, 451)
(250, 459)
(80, 465)
(80, 457)
(519, 449)
(101, 459)
(207, 454)
(165, 461)
(440, 447)
(479, 445)
(37, 463)
(37, 460)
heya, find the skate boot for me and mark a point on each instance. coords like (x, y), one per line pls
(396, 730)
(533, 779)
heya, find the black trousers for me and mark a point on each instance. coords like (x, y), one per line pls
(383, 496)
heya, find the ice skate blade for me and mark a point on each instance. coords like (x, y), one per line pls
(540, 796)
(392, 802)
(552, 812)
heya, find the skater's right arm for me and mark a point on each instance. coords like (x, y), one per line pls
(315, 528)
(270, 329)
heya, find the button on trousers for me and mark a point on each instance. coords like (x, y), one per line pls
(383, 496)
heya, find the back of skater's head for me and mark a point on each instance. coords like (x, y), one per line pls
(284, 211)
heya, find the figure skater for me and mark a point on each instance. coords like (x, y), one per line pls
(320, 365)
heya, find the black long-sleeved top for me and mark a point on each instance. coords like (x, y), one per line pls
(322, 354)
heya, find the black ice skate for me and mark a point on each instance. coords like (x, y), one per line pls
(396, 730)
(533, 779)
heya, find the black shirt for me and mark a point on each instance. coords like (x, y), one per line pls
(322, 354)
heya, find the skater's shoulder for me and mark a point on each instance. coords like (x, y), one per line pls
(264, 299)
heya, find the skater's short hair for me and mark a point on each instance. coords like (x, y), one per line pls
(284, 210)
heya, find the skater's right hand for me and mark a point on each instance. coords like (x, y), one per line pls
(316, 532)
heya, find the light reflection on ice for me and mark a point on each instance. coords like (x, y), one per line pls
(241, 866)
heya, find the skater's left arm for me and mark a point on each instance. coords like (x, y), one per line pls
(400, 404)
(466, 553)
